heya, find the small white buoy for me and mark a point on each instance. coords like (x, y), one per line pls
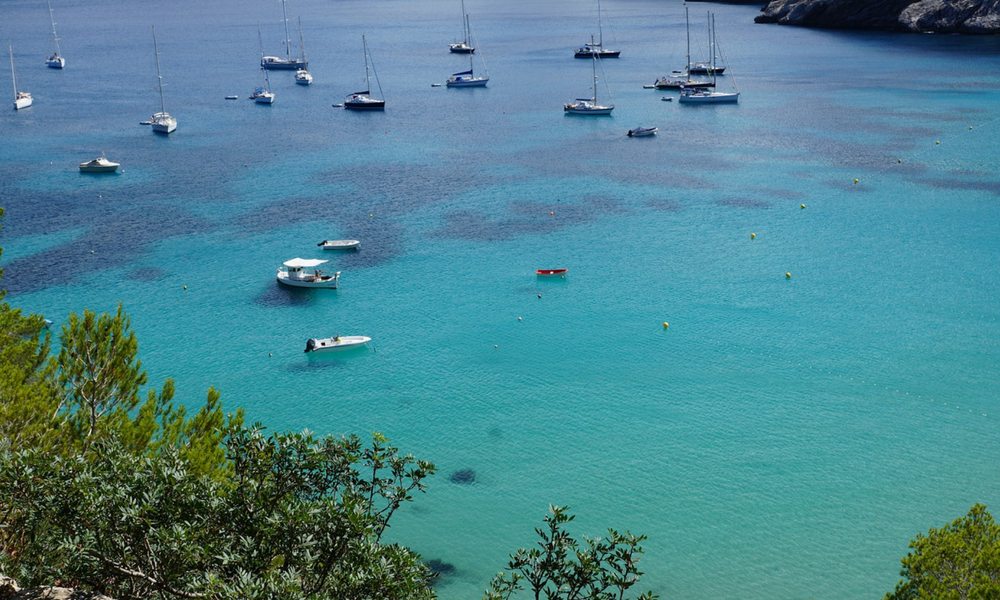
(495, 346)
(519, 318)
(270, 355)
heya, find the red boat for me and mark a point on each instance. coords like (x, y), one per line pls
(551, 272)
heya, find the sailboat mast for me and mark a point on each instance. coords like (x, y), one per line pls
(368, 81)
(159, 78)
(53, 21)
(260, 40)
(600, 28)
(288, 40)
(687, 22)
(302, 44)
(13, 76)
(595, 79)
(465, 24)
(712, 45)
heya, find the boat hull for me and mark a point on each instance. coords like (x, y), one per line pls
(334, 344)
(461, 49)
(340, 245)
(474, 82)
(264, 99)
(92, 168)
(710, 98)
(326, 283)
(22, 103)
(598, 54)
(163, 123)
(551, 272)
(641, 132)
(594, 112)
(273, 63)
(55, 62)
(370, 105)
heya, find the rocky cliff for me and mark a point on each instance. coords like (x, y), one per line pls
(940, 16)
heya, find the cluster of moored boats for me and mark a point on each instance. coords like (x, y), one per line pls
(695, 91)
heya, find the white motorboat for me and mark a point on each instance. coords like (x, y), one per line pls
(262, 95)
(642, 131)
(363, 100)
(288, 63)
(56, 61)
(336, 342)
(465, 46)
(21, 99)
(589, 106)
(339, 244)
(302, 272)
(162, 121)
(100, 164)
(597, 49)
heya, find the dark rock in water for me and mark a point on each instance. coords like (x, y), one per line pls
(918, 16)
(464, 477)
(442, 568)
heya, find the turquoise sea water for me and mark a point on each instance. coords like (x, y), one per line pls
(784, 438)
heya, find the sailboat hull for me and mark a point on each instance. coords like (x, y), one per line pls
(461, 49)
(55, 62)
(274, 63)
(582, 53)
(706, 97)
(474, 82)
(370, 105)
(163, 123)
(22, 103)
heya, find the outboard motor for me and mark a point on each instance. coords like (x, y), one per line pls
(310, 345)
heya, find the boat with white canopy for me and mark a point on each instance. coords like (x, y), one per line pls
(303, 272)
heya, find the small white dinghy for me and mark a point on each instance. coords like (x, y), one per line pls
(339, 244)
(642, 131)
(336, 343)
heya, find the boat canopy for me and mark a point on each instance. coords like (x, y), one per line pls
(304, 262)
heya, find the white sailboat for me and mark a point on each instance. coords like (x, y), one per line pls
(465, 46)
(288, 63)
(597, 48)
(56, 61)
(262, 95)
(302, 76)
(696, 95)
(590, 106)
(708, 67)
(363, 100)
(468, 78)
(162, 122)
(681, 79)
(21, 99)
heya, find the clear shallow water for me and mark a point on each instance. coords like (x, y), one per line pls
(782, 439)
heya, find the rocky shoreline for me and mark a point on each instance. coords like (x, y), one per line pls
(979, 17)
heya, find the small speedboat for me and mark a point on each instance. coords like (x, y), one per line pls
(99, 165)
(336, 343)
(642, 131)
(339, 244)
(667, 98)
(551, 272)
(232, 97)
(145, 122)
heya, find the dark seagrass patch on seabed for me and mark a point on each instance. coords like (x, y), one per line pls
(663, 205)
(279, 295)
(463, 477)
(440, 567)
(107, 245)
(744, 203)
(990, 187)
(525, 217)
(147, 274)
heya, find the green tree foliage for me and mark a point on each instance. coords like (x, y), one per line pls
(28, 396)
(960, 561)
(299, 517)
(561, 568)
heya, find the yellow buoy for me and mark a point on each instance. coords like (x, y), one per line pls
(937, 142)
(788, 275)
(753, 235)
(665, 324)
(185, 287)
(371, 215)
(855, 182)
(802, 206)
(901, 161)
